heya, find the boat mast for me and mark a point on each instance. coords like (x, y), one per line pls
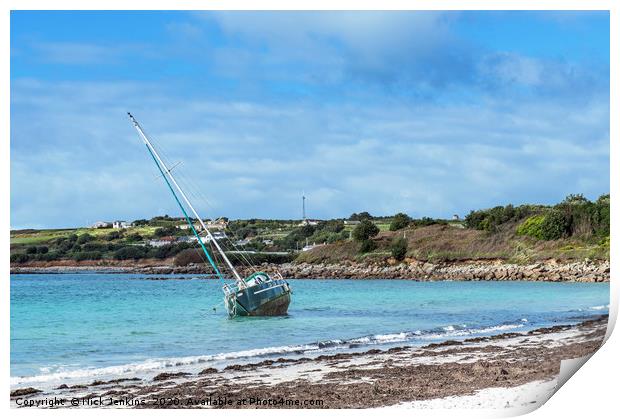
(189, 204)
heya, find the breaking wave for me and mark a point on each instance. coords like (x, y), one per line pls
(151, 366)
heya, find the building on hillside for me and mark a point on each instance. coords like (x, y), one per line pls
(185, 226)
(101, 224)
(307, 222)
(351, 222)
(187, 239)
(218, 224)
(162, 241)
(121, 224)
(242, 242)
(217, 235)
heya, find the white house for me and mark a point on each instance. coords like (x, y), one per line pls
(219, 224)
(217, 235)
(101, 224)
(187, 239)
(307, 222)
(351, 222)
(185, 226)
(121, 224)
(162, 241)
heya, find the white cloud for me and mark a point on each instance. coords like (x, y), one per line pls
(75, 157)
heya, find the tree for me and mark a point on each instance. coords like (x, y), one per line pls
(400, 221)
(555, 225)
(399, 248)
(575, 199)
(365, 230)
(361, 216)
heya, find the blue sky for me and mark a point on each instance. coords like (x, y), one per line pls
(428, 113)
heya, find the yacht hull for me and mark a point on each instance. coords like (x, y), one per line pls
(270, 298)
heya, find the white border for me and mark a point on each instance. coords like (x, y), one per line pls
(591, 393)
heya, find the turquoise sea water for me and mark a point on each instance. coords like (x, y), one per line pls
(79, 326)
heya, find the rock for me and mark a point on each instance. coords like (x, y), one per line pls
(25, 391)
(168, 375)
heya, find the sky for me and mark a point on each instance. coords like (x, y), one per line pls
(427, 113)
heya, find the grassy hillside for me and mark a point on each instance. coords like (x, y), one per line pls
(574, 229)
(442, 243)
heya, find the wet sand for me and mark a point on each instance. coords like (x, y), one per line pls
(374, 378)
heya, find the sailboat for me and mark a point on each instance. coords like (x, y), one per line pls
(256, 295)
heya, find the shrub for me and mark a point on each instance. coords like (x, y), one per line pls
(259, 258)
(400, 221)
(490, 219)
(399, 248)
(113, 235)
(31, 250)
(42, 249)
(95, 247)
(49, 256)
(365, 230)
(367, 246)
(84, 238)
(532, 227)
(331, 226)
(65, 245)
(19, 258)
(555, 225)
(134, 237)
(166, 231)
(166, 251)
(427, 221)
(130, 252)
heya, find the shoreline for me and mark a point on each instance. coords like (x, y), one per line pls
(402, 376)
(473, 270)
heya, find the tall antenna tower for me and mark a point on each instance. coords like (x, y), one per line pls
(303, 205)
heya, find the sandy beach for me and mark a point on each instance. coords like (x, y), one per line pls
(501, 371)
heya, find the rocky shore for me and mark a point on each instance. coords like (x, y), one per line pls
(498, 270)
(373, 378)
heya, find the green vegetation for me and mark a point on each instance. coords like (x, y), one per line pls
(574, 229)
(399, 248)
(400, 221)
(532, 227)
(576, 216)
(367, 246)
(365, 230)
